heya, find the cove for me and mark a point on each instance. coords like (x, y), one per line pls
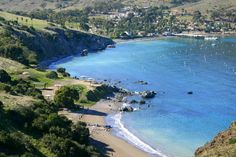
(176, 123)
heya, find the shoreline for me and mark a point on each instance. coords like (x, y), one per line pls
(101, 136)
(226, 34)
(95, 117)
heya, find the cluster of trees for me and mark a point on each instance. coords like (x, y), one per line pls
(25, 130)
(150, 20)
(13, 48)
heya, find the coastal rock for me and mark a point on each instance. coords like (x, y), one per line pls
(133, 102)
(190, 93)
(142, 102)
(141, 82)
(148, 94)
(84, 52)
(127, 109)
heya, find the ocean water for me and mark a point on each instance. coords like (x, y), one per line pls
(173, 123)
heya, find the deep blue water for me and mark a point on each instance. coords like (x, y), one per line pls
(175, 123)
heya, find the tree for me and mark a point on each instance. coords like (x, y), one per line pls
(61, 70)
(4, 76)
(197, 16)
(52, 75)
(65, 96)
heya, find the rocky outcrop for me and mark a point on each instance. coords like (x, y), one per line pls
(148, 94)
(127, 109)
(223, 145)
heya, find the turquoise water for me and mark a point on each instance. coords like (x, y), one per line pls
(175, 123)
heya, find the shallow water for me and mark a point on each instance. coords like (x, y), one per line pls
(175, 123)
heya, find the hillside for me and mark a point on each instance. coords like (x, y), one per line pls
(223, 145)
(36, 40)
(205, 6)
(30, 5)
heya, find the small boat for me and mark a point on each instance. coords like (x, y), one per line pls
(210, 38)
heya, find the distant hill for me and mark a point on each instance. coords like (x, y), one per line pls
(207, 5)
(30, 5)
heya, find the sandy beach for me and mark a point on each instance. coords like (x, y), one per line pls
(101, 137)
(94, 116)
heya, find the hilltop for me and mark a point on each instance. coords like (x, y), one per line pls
(31, 5)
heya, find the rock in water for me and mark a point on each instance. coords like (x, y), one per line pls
(190, 93)
(127, 109)
(148, 94)
(142, 102)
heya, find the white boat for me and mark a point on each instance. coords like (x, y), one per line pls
(210, 38)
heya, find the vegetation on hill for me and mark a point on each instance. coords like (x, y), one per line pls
(223, 145)
(121, 19)
(37, 129)
(34, 128)
(29, 44)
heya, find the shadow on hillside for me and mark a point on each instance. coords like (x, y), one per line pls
(102, 147)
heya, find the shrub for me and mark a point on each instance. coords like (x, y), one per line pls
(1, 105)
(52, 75)
(61, 70)
(65, 97)
(232, 141)
(80, 133)
(21, 116)
(5, 87)
(64, 147)
(101, 92)
(10, 145)
(4, 76)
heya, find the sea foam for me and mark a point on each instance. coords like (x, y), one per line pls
(131, 138)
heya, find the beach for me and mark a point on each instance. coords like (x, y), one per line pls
(101, 137)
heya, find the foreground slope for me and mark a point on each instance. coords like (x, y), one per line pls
(223, 145)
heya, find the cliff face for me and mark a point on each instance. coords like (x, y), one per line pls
(55, 42)
(223, 145)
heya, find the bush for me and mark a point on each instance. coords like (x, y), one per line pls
(101, 92)
(61, 70)
(10, 145)
(65, 97)
(5, 87)
(80, 133)
(25, 88)
(232, 141)
(21, 116)
(52, 75)
(1, 105)
(4, 76)
(64, 147)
